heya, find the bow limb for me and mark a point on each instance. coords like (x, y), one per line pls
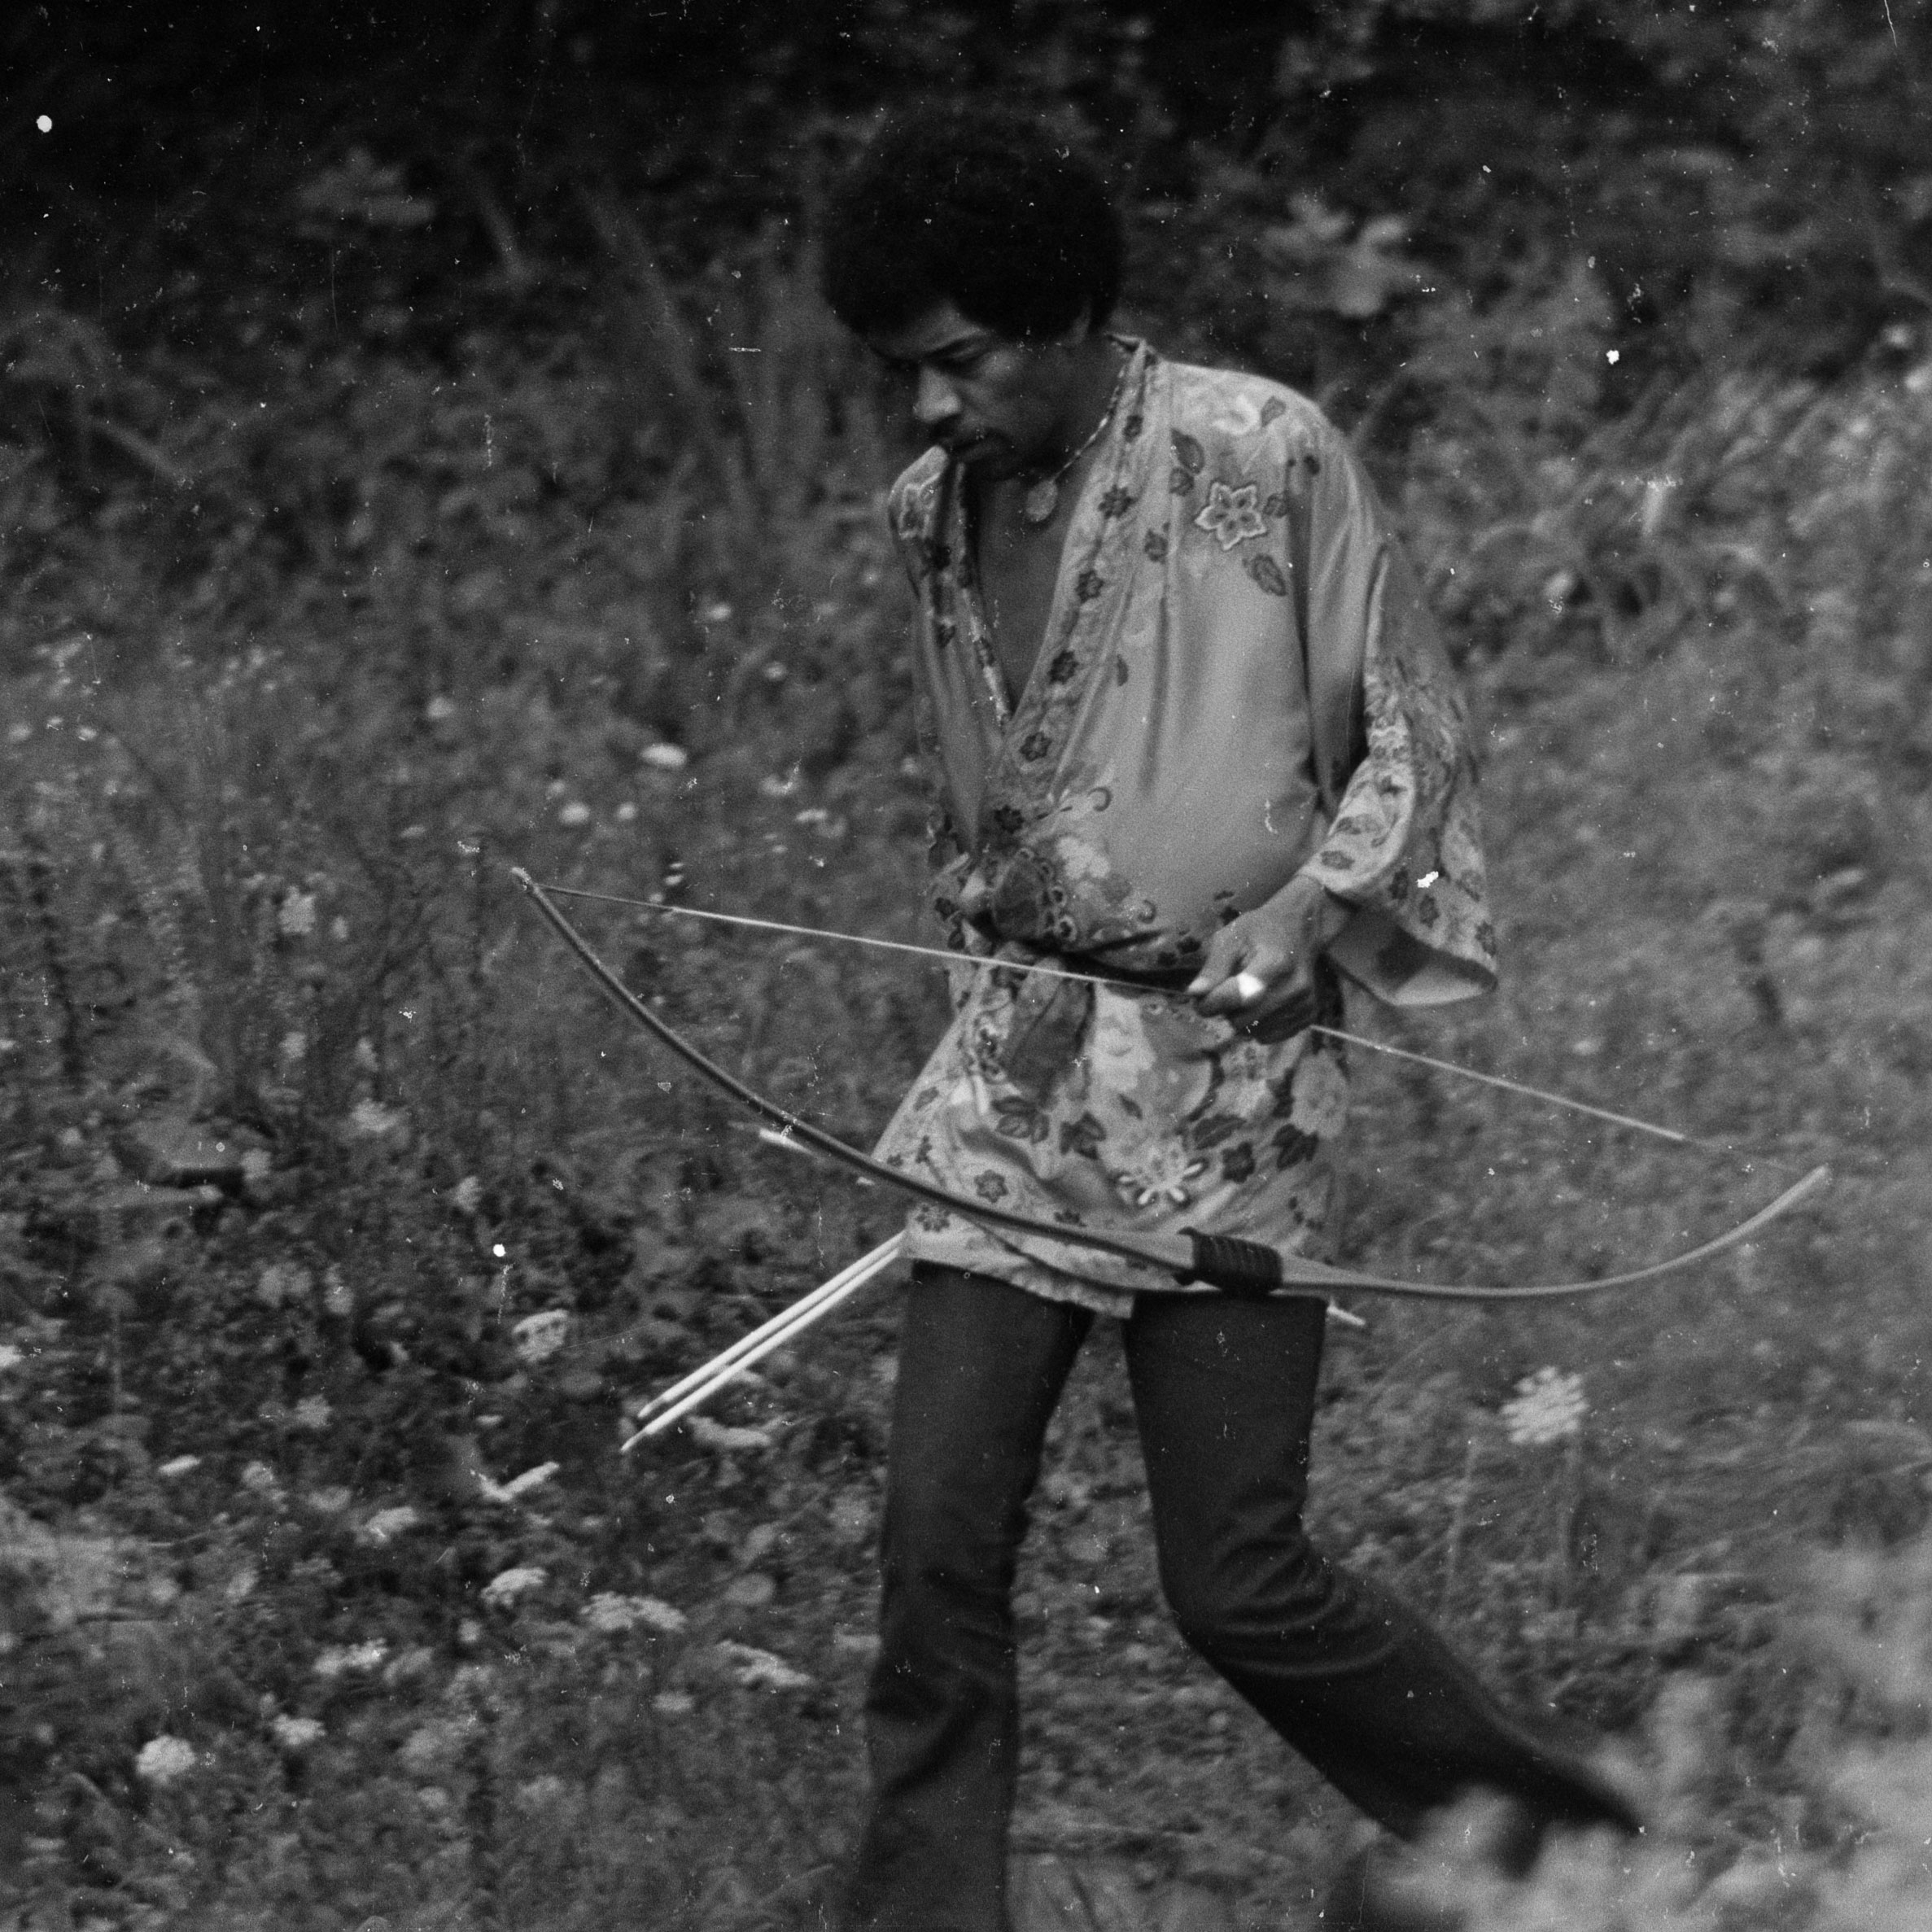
(1236, 1267)
(1163, 1251)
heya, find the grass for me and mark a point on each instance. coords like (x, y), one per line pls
(614, 607)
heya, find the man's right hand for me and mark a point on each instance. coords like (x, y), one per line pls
(1260, 970)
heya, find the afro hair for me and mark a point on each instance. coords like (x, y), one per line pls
(976, 207)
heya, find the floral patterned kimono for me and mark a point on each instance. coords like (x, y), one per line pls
(1238, 682)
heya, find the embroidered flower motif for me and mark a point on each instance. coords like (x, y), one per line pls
(1237, 1163)
(1232, 516)
(1116, 502)
(1088, 585)
(1008, 818)
(1061, 670)
(1267, 573)
(1083, 1137)
(1021, 1119)
(1161, 1177)
(1188, 452)
(1317, 1093)
(1035, 746)
(1276, 505)
(1292, 1146)
(1131, 428)
(1155, 543)
(988, 1186)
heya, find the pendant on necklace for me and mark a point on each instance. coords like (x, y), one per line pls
(1039, 503)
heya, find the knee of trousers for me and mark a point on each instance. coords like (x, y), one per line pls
(937, 1557)
(1281, 1593)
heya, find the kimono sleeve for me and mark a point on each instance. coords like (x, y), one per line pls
(1403, 844)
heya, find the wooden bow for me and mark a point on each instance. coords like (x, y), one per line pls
(1236, 1267)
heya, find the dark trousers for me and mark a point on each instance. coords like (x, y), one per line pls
(1224, 1394)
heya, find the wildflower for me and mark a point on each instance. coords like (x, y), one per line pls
(330, 1502)
(418, 1662)
(536, 1338)
(716, 612)
(385, 1526)
(294, 917)
(611, 1613)
(255, 1165)
(259, 1479)
(163, 1759)
(371, 1117)
(760, 1670)
(295, 1734)
(178, 1466)
(294, 1048)
(338, 928)
(280, 1282)
(337, 1660)
(509, 1585)
(575, 813)
(10, 1357)
(240, 1586)
(429, 1747)
(338, 1297)
(673, 1703)
(467, 1193)
(313, 1413)
(440, 709)
(627, 813)
(1547, 1407)
(665, 757)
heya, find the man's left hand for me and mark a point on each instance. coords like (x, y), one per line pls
(1260, 971)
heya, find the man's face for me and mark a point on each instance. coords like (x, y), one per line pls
(996, 405)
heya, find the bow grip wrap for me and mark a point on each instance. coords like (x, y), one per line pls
(1243, 1268)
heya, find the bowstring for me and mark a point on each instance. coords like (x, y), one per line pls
(1676, 1136)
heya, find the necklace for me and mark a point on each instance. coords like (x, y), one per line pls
(1043, 498)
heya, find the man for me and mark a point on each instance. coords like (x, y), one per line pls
(1190, 734)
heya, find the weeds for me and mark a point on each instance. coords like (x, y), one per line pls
(338, 1228)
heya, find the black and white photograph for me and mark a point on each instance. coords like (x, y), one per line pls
(966, 967)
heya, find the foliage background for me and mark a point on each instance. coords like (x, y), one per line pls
(420, 451)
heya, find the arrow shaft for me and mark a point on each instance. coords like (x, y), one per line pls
(1238, 1266)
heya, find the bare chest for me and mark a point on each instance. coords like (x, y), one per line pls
(1018, 567)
